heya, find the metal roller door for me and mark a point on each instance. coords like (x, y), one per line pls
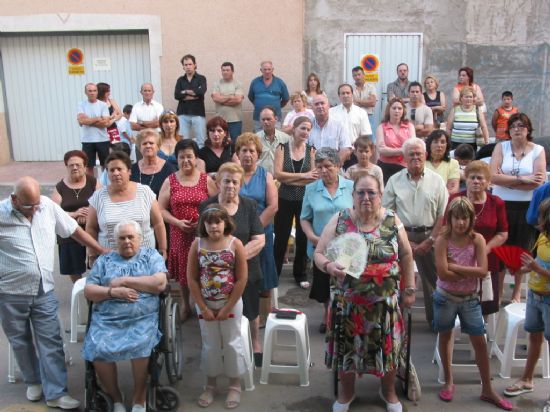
(42, 96)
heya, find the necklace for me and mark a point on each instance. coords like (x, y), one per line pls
(77, 192)
(303, 160)
(481, 211)
(150, 181)
(515, 169)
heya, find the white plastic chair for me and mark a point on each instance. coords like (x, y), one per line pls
(301, 347)
(511, 318)
(248, 354)
(79, 313)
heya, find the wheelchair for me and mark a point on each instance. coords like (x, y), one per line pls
(168, 353)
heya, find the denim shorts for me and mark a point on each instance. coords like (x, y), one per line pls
(537, 314)
(468, 310)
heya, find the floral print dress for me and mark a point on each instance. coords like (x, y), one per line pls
(365, 328)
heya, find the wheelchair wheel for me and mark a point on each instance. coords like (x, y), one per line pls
(166, 399)
(98, 402)
(174, 359)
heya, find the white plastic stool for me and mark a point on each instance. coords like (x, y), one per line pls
(248, 354)
(78, 309)
(511, 318)
(12, 365)
(299, 327)
(456, 346)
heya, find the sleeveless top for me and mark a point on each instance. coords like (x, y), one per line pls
(217, 272)
(74, 199)
(434, 102)
(538, 283)
(381, 274)
(394, 141)
(290, 192)
(256, 188)
(513, 167)
(464, 256)
(502, 122)
(464, 125)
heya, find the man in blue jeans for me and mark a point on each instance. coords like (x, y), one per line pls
(189, 91)
(29, 223)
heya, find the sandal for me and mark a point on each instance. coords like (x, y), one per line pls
(207, 397)
(233, 397)
(501, 403)
(518, 388)
(304, 284)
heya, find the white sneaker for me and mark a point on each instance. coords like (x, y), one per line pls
(65, 402)
(138, 408)
(119, 407)
(34, 392)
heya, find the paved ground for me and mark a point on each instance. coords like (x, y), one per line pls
(283, 392)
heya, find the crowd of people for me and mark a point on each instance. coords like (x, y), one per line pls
(219, 206)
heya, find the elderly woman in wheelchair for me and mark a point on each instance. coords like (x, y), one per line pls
(124, 288)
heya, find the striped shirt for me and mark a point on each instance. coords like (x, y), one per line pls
(464, 125)
(27, 247)
(109, 213)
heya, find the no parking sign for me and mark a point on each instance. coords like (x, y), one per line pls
(370, 64)
(75, 57)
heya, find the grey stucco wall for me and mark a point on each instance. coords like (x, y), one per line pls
(507, 43)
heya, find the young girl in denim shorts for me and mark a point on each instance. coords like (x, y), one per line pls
(461, 261)
(537, 314)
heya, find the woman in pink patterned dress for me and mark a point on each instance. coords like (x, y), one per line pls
(179, 201)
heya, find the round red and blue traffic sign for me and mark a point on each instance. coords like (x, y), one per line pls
(370, 63)
(75, 56)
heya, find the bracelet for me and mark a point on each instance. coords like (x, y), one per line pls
(109, 292)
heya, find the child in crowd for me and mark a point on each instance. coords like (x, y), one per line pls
(461, 261)
(217, 275)
(363, 150)
(464, 154)
(501, 116)
(125, 130)
(537, 314)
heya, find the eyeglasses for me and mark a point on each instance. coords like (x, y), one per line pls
(413, 114)
(75, 165)
(518, 126)
(30, 207)
(371, 194)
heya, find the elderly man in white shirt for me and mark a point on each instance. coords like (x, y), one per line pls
(29, 224)
(327, 131)
(146, 113)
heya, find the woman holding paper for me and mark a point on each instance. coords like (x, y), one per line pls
(365, 329)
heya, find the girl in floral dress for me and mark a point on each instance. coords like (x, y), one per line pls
(217, 274)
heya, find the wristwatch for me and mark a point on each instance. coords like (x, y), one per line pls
(409, 291)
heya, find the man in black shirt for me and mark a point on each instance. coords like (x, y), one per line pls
(189, 91)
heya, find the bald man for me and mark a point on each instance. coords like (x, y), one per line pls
(29, 224)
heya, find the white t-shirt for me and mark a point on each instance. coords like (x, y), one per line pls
(92, 134)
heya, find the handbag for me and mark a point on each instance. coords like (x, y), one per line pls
(114, 135)
(486, 287)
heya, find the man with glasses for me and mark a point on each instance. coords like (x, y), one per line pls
(267, 90)
(417, 112)
(419, 197)
(29, 224)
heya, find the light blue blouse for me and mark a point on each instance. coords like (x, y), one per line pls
(119, 329)
(318, 206)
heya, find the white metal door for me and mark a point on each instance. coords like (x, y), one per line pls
(42, 96)
(391, 49)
